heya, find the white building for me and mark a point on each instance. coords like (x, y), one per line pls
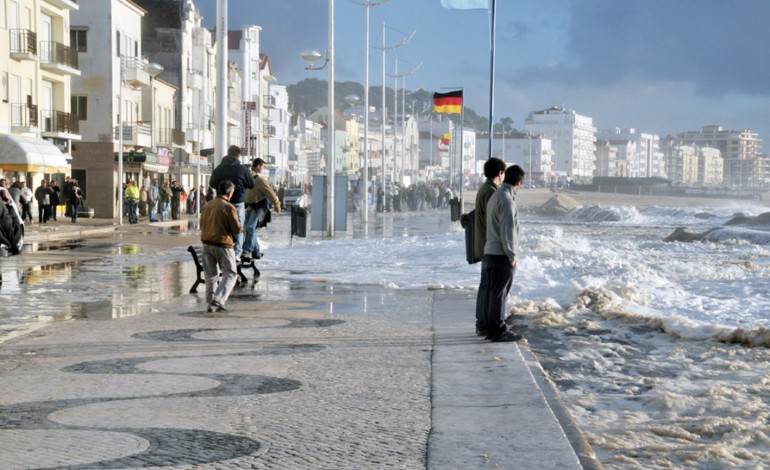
(37, 64)
(277, 131)
(643, 154)
(115, 74)
(572, 139)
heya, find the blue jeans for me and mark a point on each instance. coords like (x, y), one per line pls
(250, 242)
(240, 208)
(131, 203)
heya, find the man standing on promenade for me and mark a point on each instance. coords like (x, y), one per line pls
(500, 252)
(494, 170)
(230, 168)
(132, 200)
(219, 228)
(256, 208)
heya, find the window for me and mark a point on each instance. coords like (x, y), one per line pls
(79, 40)
(79, 107)
(117, 43)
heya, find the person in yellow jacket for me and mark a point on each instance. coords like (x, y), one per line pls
(256, 209)
(219, 227)
(132, 200)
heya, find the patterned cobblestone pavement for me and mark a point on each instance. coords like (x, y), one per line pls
(268, 384)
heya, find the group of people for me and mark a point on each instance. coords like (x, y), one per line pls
(496, 244)
(415, 197)
(48, 196)
(229, 223)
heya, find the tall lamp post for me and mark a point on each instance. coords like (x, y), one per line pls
(311, 57)
(385, 48)
(152, 69)
(365, 188)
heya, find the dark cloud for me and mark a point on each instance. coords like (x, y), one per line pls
(718, 45)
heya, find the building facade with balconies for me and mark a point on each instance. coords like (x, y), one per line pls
(110, 96)
(37, 64)
(572, 137)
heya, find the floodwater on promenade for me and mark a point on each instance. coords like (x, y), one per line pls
(141, 268)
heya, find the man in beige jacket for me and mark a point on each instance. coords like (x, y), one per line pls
(219, 227)
(256, 209)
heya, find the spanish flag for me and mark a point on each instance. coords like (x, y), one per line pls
(446, 138)
(448, 103)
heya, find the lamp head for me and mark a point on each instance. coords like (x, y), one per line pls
(310, 56)
(153, 68)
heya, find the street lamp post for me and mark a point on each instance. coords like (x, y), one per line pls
(310, 57)
(365, 188)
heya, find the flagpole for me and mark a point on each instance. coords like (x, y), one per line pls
(491, 77)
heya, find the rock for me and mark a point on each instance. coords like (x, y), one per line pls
(680, 234)
(742, 219)
(558, 205)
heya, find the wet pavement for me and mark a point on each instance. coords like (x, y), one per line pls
(119, 366)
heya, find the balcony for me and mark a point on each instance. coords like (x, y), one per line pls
(57, 57)
(135, 73)
(23, 44)
(269, 101)
(59, 124)
(65, 4)
(24, 117)
(194, 79)
(269, 131)
(137, 135)
(170, 138)
(193, 134)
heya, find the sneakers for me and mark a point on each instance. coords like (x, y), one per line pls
(507, 337)
(215, 306)
(245, 258)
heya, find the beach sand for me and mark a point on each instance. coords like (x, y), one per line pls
(529, 199)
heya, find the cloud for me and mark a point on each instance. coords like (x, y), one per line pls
(717, 45)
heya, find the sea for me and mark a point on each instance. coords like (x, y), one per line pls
(660, 349)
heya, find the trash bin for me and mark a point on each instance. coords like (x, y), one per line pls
(298, 221)
(468, 222)
(454, 208)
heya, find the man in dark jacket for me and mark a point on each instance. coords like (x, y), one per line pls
(230, 168)
(494, 170)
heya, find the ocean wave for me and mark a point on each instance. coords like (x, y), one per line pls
(722, 235)
(610, 306)
(606, 214)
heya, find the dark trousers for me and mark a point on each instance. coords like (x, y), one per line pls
(500, 276)
(482, 298)
(43, 213)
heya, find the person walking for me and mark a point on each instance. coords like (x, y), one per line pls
(165, 200)
(26, 199)
(143, 200)
(55, 198)
(256, 208)
(74, 196)
(219, 227)
(501, 250)
(230, 168)
(132, 200)
(176, 199)
(43, 198)
(153, 199)
(494, 170)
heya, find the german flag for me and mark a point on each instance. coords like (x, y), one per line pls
(448, 103)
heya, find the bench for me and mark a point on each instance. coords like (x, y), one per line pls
(197, 256)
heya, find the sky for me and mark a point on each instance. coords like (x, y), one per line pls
(658, 66)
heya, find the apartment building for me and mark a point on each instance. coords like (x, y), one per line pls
(744, 167)
(641, 151)
(37, 63)
(572, 137)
